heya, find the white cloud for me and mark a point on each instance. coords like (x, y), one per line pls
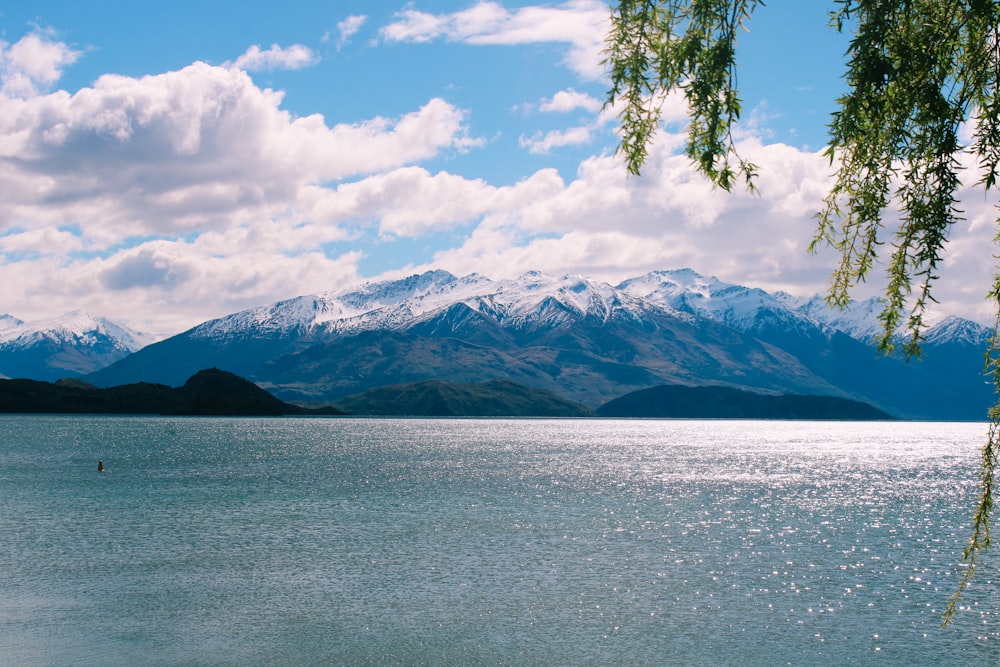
(407, 202)
(564, 101)
(543, 143)
(569, 100)
(200, 147)
(674, 114)
(33, 62)
(411, 202)
(348, 28)
(582, 24)
(168, 285)
(144, 267)
(45, 241)
(167, 199)
(611, 226)
(295, 56)
(602, 223)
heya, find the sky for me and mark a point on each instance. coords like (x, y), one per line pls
(162, 164)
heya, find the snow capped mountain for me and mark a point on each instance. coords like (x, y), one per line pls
(957, 330)
(859, 319)
(72, 344)
(9, 321)
(534, 299)
(75, 326)
(371, 305)
(746, 309)
(537, 299)
(754, 311)
(584, 339)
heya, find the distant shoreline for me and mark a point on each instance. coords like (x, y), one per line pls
(213, 392)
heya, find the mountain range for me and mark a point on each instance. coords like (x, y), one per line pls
(69, 346)
(584, 340)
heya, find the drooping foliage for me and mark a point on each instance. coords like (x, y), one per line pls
(917, 71)
(657, 47)
(920, 75)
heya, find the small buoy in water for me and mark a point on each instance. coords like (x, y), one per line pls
(100, 466)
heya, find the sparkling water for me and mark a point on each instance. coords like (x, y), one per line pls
(488, 542)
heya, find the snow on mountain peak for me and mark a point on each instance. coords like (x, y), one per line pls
(535, 298)
(75, 326)
(383, 293)
(351, 308)
(859, 319)
(574, 292)
(957, 329)
(390, 304)
(8, 321)
(685, 290)
(669, 285)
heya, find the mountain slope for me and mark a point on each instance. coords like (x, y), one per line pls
(71, 345)
(837, 345)
(435, 398)
(580, 338)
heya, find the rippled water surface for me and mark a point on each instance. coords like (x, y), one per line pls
(447, 542)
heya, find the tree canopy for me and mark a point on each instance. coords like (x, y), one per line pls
(918, 72)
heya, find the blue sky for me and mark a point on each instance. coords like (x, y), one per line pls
(166, 163)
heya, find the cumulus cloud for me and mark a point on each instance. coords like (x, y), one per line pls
(565, 101)
(602, 222)
(32, 63)
(411, 202)
(168, 199)
(168, 285)
(295, 56)
(171, 198)
(348, 28)
(202, 146)
(46, 241)
(674, 114)
(542, 143)
(609, 225)
(581, 24)
(569, 100)
(144, 268)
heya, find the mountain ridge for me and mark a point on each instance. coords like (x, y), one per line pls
(73, 344)
(581, 338)
(584, 339)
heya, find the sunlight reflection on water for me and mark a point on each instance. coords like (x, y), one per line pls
(352, 541)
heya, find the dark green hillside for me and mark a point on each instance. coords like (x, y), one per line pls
(716, 402)
(325, 373)
(436, 398)
(207, 392)
(215, 392)
(80, 397)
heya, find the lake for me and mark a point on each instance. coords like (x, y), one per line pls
(335, 541)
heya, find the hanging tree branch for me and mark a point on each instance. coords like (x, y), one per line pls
(655, 48)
